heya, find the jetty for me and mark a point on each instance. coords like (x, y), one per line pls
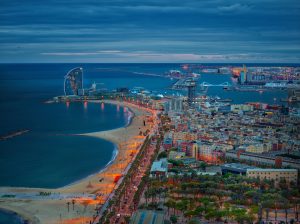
(13, 134)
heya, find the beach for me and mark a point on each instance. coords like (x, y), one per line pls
(76, 202)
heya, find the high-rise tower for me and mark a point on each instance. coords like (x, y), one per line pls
(191, 85)
(73, 81)
(243, 75)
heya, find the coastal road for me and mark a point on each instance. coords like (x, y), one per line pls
(126, 205)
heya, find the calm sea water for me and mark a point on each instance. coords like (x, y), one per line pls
(9, 218)
(48, 156)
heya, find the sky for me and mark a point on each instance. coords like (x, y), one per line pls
(121, 31)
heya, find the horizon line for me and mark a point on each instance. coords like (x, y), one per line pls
(295, 63)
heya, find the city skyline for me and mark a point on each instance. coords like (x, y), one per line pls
(152, 31)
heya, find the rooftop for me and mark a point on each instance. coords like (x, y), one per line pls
(161, 165)
(147, 217)
(271, 170)
(238, 166)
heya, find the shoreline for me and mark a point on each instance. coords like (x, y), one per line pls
(100, 184)
(114, 156)
(114, 153)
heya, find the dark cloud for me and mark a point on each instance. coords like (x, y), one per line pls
(152, 30)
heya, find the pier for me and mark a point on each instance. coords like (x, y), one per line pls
(13, 134)
(182, 83)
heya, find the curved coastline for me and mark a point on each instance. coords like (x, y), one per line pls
(114, 156)
(47, 211)
(115, 150)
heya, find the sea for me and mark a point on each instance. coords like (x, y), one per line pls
(51, 154)
(9, 218)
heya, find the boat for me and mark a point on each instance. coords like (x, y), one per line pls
(175, 74)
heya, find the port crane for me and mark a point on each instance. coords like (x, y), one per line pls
(94, 85)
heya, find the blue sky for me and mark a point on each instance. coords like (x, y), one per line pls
(150, 31)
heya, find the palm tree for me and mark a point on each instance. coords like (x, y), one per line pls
(182, 205)
(168, 204)
(286, 206)
(296, 205)
(191, 213)
(275, 212)
(267, 214)
(220, 194)
(199, 210)
(147, 195)
(73, 203)
(173, 219)
(286, 214)
(173, 205)
(268, 204)
(152, 193)
(110, 203)
(68, 204)
(259, 212)
(194, 221)
(205, 201)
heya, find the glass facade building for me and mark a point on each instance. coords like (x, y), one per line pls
(73, 81)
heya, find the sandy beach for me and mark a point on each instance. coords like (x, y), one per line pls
(76, 203)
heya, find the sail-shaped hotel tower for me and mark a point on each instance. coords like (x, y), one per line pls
(73, 81)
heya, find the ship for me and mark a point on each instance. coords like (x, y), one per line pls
(176, 74)
(292, 99)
